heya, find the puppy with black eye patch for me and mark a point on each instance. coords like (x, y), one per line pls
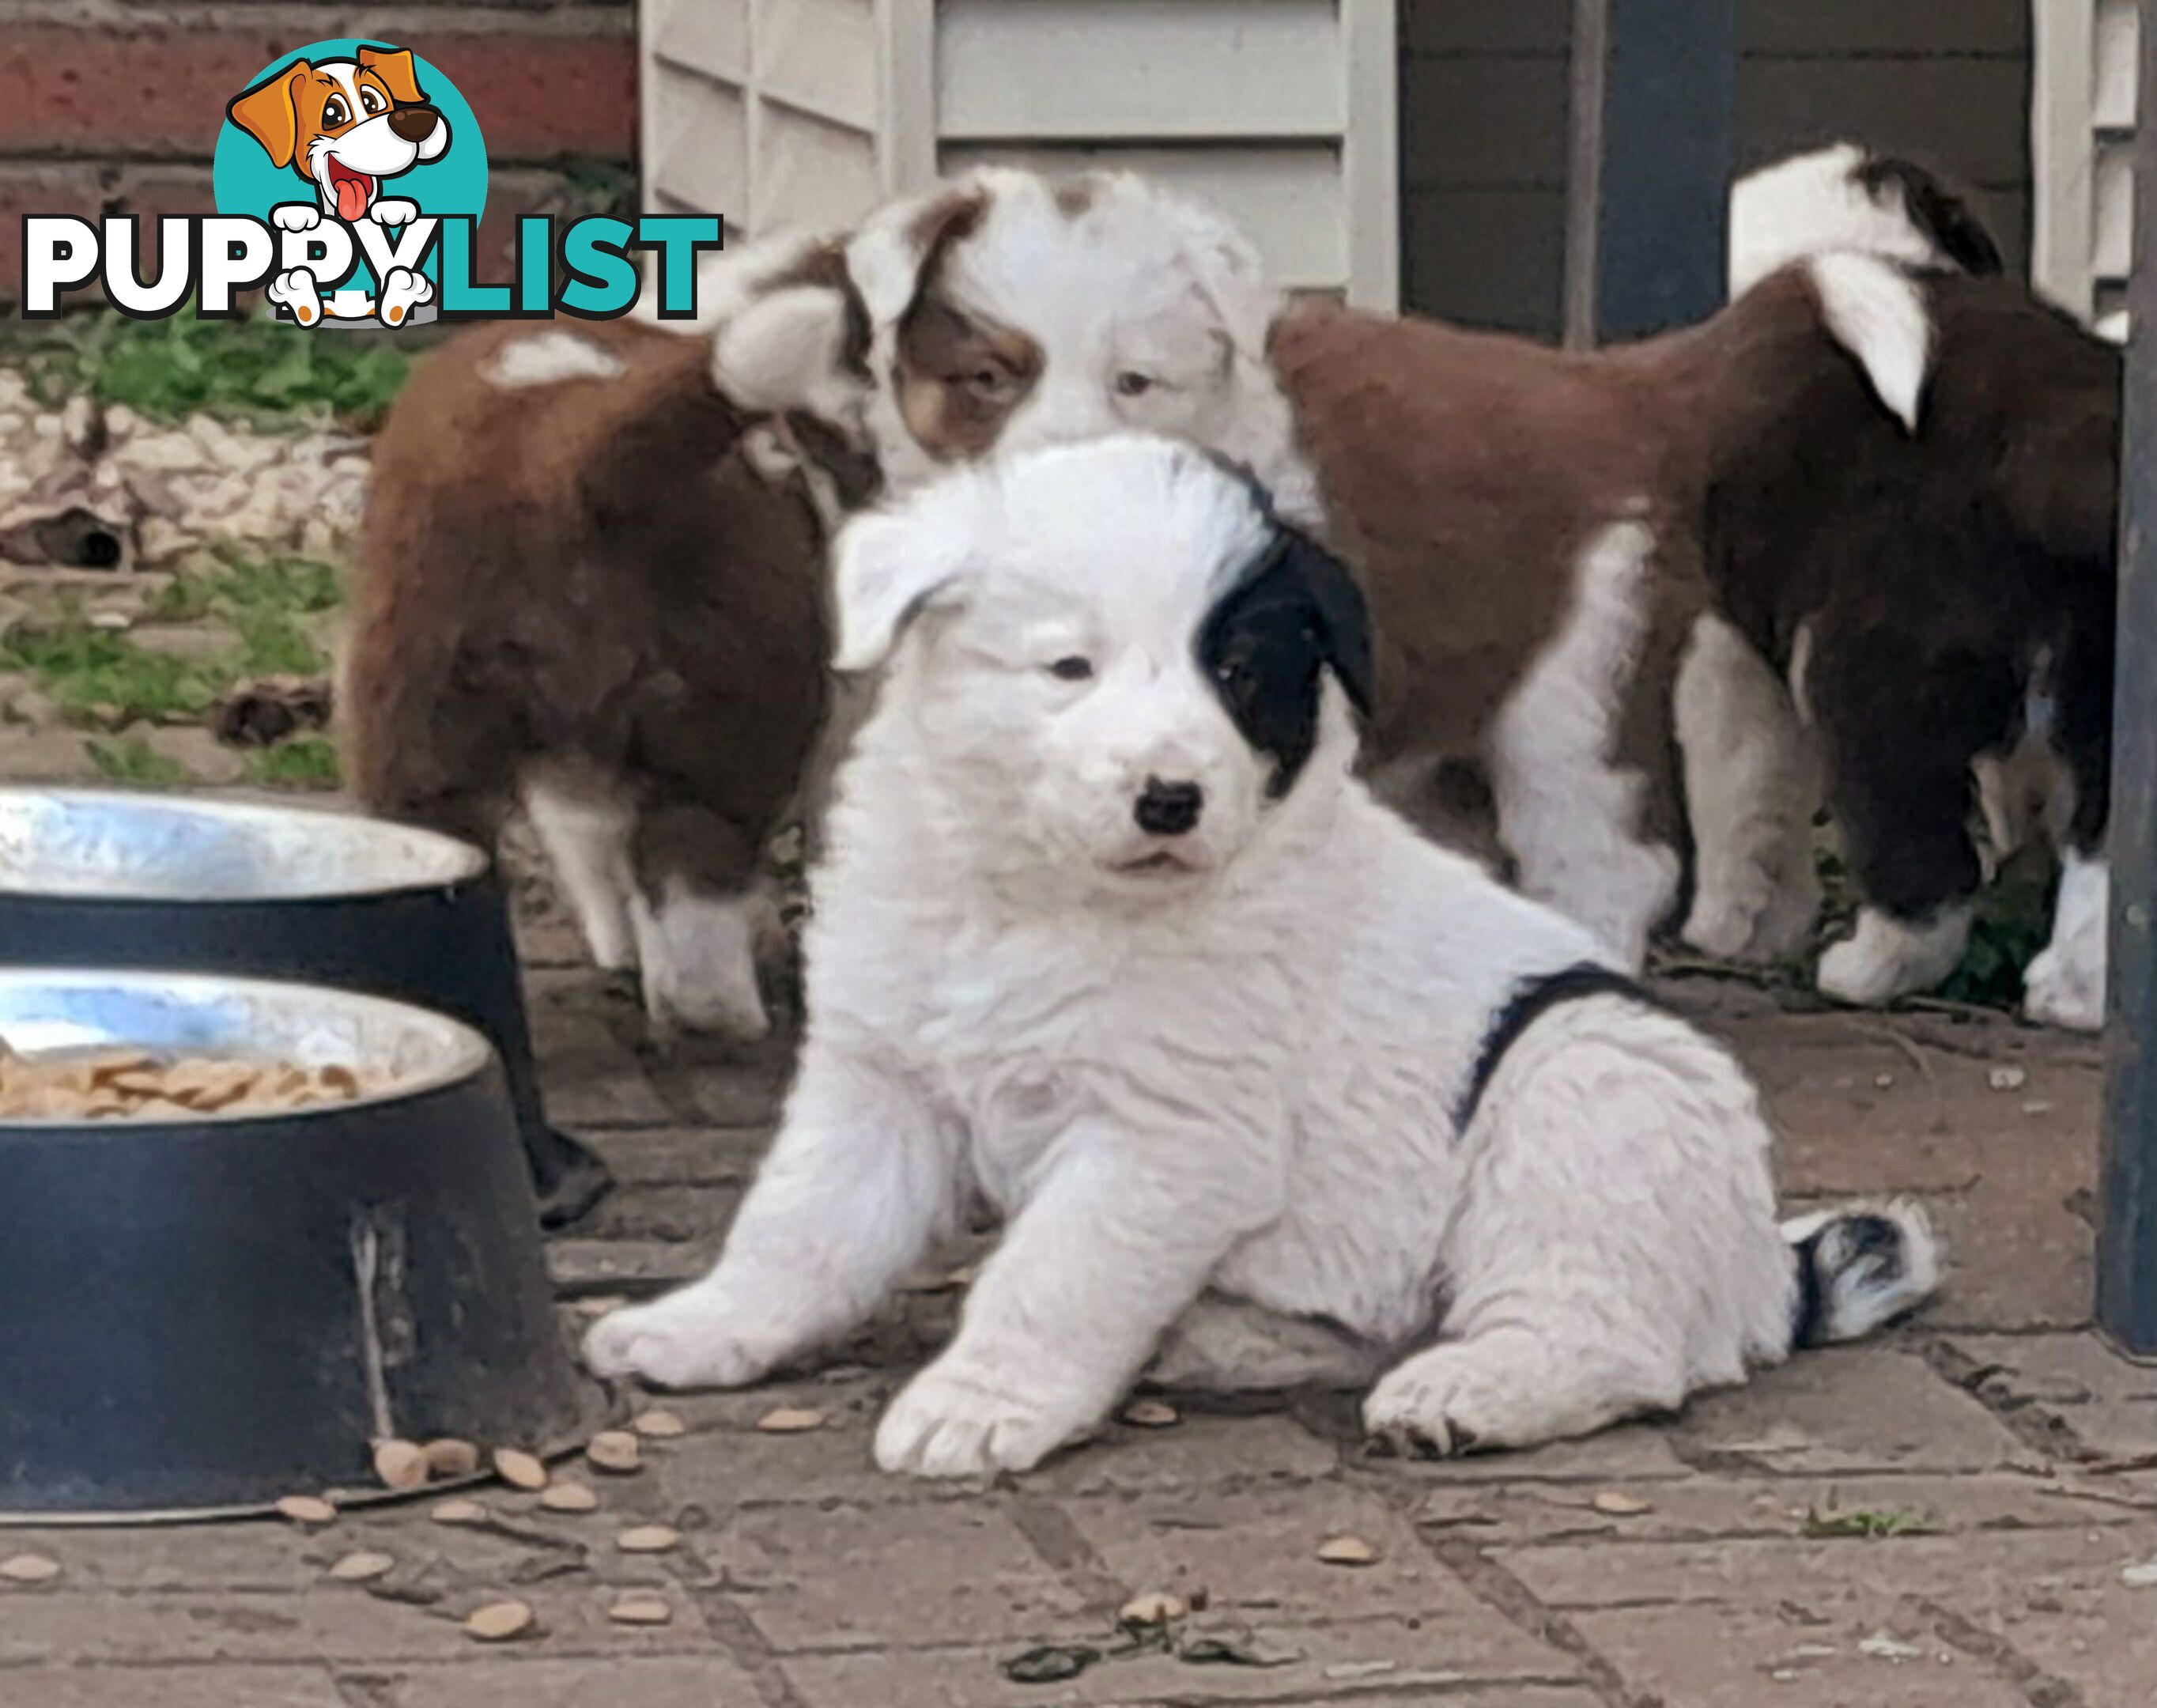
(1268, 1090)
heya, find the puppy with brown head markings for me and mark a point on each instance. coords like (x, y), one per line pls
(589, 582)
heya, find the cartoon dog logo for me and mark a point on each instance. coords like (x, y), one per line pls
(345, 125)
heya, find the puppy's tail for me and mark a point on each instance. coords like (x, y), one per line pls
(1860, 1266)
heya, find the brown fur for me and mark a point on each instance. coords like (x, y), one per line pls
(958, 380)
(589, 575)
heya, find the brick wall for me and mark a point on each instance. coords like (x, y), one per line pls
(115, 107)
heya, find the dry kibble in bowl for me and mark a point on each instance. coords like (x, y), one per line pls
(119, 1084)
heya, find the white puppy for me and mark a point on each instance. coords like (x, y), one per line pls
(1269, 1090)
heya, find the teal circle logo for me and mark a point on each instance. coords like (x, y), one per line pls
(356, 148)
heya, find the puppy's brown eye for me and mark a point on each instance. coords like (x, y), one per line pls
(1072, 670)
(371, 101)
(1132, 384)
(335, 112)
(986, 381)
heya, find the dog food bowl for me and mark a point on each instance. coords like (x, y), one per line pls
(90, 878)
(209, 1312)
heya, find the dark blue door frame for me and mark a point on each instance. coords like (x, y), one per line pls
(2127, 1226)
(1653, 143)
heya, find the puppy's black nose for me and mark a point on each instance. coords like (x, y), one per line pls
(1168, 809)
(414, 124)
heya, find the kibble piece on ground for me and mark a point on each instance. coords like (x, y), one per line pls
(363, 1567)
(459, 1512)
(571, 1497)
(1158, 1608)
(1151, 1414)
(640, 1610)
(450, 1457)
(791, 1420)
(29, 1568)
(659, 1425)
(614, 1450)
(401, 1465)
(518, 1468)
(1619, 1504)
(307, 1509)
(648, 1539)
(498, 1622)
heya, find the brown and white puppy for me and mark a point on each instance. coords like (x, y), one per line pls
(589, 582)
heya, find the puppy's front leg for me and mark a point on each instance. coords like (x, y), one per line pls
(1112, 1247)
(860, 1179)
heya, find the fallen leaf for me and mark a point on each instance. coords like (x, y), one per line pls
(1619, 1504)
(1347, 1550)
(1219, 1651)
(520, 1469)
(569, 1497)
(658, 1425)
(648, 1539)
(307, 1509)
(360, 1567)
(459, 1512)
(641, 1610)
(791, 1420)
(498, 1622)
(29, 1568)
(1051, 1664)
(1151, 1414)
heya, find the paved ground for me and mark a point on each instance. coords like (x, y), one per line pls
(1721, 1558)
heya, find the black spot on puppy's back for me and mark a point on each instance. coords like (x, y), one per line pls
(1293, 613)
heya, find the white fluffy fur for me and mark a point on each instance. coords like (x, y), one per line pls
(1886, 957)
(1878, 314)
(1813, 204)
(586, 837)
(549, 358)
(1568, 813)
(1752, 787)
(2065, 983)
(1213, 1103)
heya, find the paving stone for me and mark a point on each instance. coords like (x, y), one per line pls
(1740, 1657)
(945, 1573)
(1709, 1508)
(682, 1156)
(2060, 1369)
(172, 1687)
(523, 1678)
(1870, 1408)
(258, 1557)
(1255, 1556)
(1202, 1451)
(576, 1265)
(1635, 1452)
(1385, 1660)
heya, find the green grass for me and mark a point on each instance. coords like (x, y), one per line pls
(107, 680)
(306, 762)
(251, 370)
(134, 762)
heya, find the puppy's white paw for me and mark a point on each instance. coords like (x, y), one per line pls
(295, 216)
(1417, 1411)
(2058, 990)
(295, 291)
(402, 291)
(393, 210)
(956, 1424)
(1720, 927)
(689, 1339)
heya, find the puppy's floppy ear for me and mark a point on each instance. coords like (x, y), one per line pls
(893, 251)
(796, 349)
(890, 565)
(1343, 614)
(1230, 276)
(269, 112)
(394, 67)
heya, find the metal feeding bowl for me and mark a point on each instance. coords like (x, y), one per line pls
(92, 878)
(207, 1311)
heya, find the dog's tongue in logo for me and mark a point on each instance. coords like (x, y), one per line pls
(352, 190)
